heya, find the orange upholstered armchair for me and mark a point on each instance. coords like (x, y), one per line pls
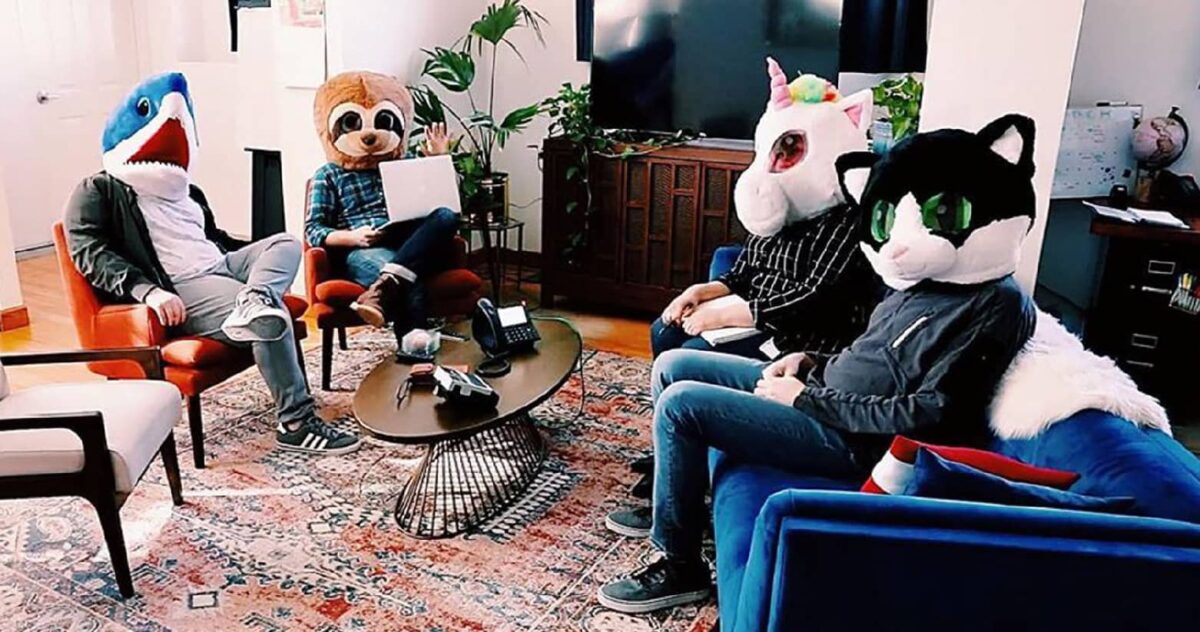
(451, 293)
(192, 363)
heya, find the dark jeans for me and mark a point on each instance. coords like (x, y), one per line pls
(664, 338)
(705, 400)
(421, 245)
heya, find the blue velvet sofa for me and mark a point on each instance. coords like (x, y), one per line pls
(799, 552)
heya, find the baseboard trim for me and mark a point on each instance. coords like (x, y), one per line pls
(14, 318)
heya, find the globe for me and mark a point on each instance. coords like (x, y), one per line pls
(1158, 142)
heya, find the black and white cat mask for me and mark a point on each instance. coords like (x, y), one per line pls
(947, 205)
(806, 126)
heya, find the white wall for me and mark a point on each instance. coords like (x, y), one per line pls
(520, 84)
(990, 58)
(10, 285)
(387, 36)
(1142, 52)
(234, 94)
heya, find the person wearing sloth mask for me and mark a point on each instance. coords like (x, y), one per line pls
(800, 280)
(363, 119)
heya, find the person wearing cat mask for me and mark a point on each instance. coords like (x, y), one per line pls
(946, 213)
(800, 280)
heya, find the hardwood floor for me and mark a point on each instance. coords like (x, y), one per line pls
(51, 328)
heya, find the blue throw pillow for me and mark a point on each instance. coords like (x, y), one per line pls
(935, 477)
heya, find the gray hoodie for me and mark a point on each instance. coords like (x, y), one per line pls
(926, 367)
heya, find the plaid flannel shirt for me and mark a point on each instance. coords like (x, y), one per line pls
(808, 285)
(341, 199)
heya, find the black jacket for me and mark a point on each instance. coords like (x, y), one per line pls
(927, 366)
(110, 244)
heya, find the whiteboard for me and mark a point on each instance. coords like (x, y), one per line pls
(1096, 151)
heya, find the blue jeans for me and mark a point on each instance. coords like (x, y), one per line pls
(665, 337)
(706, 400)
(420, 245)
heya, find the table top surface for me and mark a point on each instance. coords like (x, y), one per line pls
(423, 417)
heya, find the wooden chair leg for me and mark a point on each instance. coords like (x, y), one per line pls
(326, 359)
(342, 339)
(114, 538)
(170, 459)
(196, 422)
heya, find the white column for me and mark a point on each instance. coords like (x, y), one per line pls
(990, 58)
(10, 286)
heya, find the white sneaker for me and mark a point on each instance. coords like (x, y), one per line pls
(256, 317)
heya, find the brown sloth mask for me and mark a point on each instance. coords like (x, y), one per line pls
(363, 119)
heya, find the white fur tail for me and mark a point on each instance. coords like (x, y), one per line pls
(1054, 377)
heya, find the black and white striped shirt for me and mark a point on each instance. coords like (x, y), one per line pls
(809, 284)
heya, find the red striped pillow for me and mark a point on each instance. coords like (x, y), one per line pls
(894, 471)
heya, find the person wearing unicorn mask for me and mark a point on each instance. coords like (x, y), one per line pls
(140, 231)
(800, 279)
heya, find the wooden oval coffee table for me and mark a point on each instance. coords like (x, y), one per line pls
(477, 462)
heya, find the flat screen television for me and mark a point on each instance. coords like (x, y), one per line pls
(663, 65)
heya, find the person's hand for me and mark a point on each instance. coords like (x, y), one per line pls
(784, 390)
(682, 306)
(790, 365)
(437, 140)
(363, 237)
(703, 318)
(169, 308)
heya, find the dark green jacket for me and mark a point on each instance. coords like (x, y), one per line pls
(110, 244)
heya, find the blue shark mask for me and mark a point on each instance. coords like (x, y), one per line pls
(150, 138)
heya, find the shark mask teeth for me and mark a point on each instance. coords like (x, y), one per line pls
(168, 146)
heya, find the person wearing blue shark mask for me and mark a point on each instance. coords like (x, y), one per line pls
(141, 231)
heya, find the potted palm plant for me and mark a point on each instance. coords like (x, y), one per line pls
(483, 188)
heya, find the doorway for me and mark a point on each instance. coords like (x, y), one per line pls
(63, 66)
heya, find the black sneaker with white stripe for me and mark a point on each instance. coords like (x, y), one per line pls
(314, 436)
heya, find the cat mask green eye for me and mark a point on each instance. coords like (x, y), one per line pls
(946, 213)
(883, 216)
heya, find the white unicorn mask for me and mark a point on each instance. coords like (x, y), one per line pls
(806, 127)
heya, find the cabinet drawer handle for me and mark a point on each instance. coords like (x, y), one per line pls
(1143, 341)
(1139, 364)
(1164, 268)
(1152, 290)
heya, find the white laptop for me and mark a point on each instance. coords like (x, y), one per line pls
(415, 187)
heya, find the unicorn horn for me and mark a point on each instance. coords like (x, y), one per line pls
(781, 96)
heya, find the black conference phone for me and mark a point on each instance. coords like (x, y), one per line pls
(503, 331)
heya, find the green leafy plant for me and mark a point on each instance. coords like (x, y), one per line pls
(454, 70)
(570, 112)
(901, 98)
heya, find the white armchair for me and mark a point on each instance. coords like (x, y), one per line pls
(89, 439)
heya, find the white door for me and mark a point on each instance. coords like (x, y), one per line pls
(63, 66)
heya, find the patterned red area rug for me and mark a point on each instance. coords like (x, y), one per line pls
(274, 541)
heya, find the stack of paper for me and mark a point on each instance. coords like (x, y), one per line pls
(723, 335)
(1138, 216)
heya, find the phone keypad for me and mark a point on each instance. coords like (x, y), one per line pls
(520, 335)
